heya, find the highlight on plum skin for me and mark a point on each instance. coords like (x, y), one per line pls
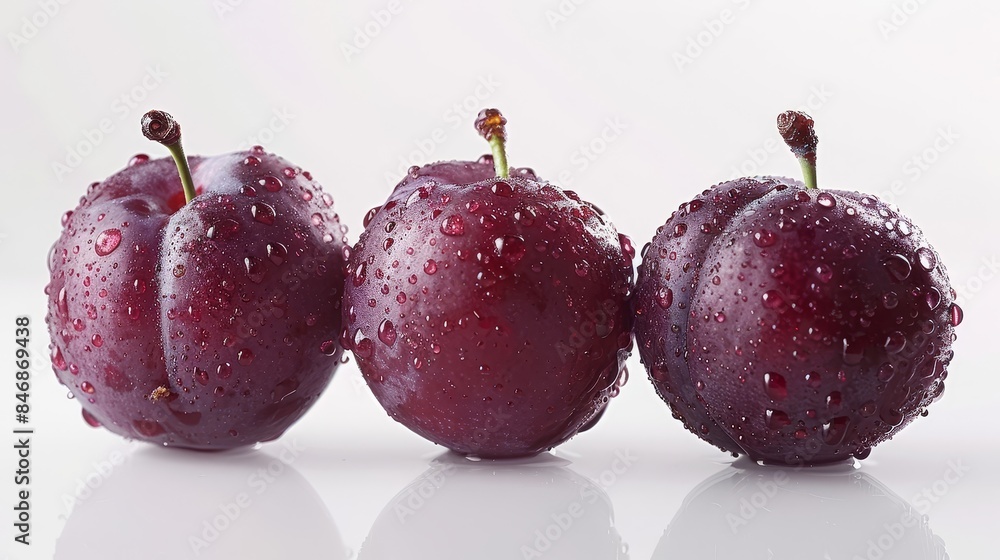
(793, 324)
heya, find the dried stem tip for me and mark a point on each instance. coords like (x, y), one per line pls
(161, 127)
(796, 128)
(491, 123)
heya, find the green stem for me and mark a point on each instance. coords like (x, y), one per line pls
(808, 170)
(161, 127)
(499, 157)
(177, 151)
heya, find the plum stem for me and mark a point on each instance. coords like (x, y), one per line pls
(161, 127)
(796, 128)
(490, 124)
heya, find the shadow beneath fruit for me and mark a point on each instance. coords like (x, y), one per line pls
(169, 504)
(836, 511)
(520, 508)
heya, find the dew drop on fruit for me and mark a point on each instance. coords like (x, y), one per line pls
(956, 315)
(510, 247)
(262, 212)
(775, 386)
(867, 409)
(86, 387)
(903, 228)
(898, 267)
(835, 430)
(363, 348)
(97, 340)
(251, 161)
(826, 200)
(885, 372)
(272, 183)
(895, 342)
(824, 273)
(501, 188)
(254, 268)
(834, 400)
(387, 332)
(776, 419)
(137, 159)
(926, 258)
(680, 229)
(201, 376)
(813, 379)
(720, 317)
(90, 419)
(453, 225)
(57, 359)
(277, 252)
(245, 356)
(582, 268)
(772, 299)
(224, 370)
(226, 227)
(853, 351)
(430, 267)
(932, 298)
(890, 300)
(764, 238)
(328, 347)
(107, 241)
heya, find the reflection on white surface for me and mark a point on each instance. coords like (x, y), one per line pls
(832, 512)
(170, 504)
(535, 508)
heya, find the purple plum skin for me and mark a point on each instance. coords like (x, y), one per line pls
(489, 315)
(793, 326)
(206, 325)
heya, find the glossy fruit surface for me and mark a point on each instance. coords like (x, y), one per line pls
(793, 325)
(208, 325)
(489, 314)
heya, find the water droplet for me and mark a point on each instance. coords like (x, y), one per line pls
(251, 161)
(824, 273)
(813, 379)
(720, 317)
(834, 400)
(201, 376)
(272, 183)
(363, 348)
(826, 200)
(867, 409)
(179, 270)
(58, 360)
(626, 245)
(245, 356)
(854, 351)
(219, 391)
(277, 252)
(430, 267)
(582, 268)
(137, 159)
(835, 430)
(262, 212)
(97, 340)
(764, 238)
(328, 347)
(78, 325)
(932, 298)
(776, 419)
(503, 189)
(86, 387)
(775, 386)
(453, 225)
(802, 196)
(510, 247)
(360, 273)
(926, 258)
(255, 269)
(772, 299)
(387, 332)
(956, 315)
(90, 419)
(885, 372)
(224, 370)
(107, 241)
(680, 229)
(898, 267)
(890, 300)
(850, 251)
(903, 228)
(223, 229)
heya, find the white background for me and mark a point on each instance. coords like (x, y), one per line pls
(904, 94)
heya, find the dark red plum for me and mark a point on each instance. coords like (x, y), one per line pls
(487, 308)
(203, 315)
(793, 324)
